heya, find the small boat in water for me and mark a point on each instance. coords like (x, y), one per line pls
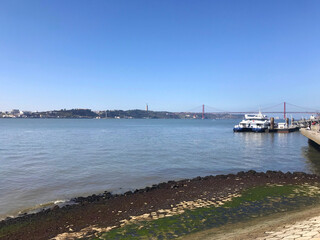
(253, 123)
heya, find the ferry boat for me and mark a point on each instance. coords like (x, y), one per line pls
(253, 123)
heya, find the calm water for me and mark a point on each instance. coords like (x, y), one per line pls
(45, 160)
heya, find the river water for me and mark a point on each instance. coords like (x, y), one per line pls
(43, 161)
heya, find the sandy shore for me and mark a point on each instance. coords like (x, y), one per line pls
(99, 213)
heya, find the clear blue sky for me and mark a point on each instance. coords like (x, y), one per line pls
(173, 55)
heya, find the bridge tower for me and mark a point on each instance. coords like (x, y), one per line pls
(284, 110)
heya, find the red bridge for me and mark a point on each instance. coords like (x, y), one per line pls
(293, 109)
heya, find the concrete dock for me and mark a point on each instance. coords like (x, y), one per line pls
(313, 134)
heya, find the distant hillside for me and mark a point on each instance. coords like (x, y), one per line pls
(138, 114)
(162, 115)
(72, 113)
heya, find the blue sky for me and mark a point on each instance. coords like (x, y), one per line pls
(173, 55)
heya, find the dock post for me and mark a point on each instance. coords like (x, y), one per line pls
(203, 111)
(271, 123)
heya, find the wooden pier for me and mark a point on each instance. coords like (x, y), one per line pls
(283, 130)
(285, 127)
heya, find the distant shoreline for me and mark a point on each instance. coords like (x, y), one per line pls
(128, 118)
(115, 114)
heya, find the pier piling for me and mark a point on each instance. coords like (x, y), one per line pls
(272, 123)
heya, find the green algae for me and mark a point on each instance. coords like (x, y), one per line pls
(263, 193)
(29, 225)
(12, 228)
(253, 202)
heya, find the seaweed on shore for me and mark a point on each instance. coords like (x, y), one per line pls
(253, 202)
(99, 213)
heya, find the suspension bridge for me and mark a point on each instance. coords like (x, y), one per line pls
(280, 108)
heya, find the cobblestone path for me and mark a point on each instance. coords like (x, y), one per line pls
(302, 230)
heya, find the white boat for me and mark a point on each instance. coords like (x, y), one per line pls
(253, 123)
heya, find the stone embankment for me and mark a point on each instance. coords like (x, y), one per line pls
(179, 207)
(313, 134)
(302, 230)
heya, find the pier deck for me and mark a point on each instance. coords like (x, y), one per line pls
(313, 135)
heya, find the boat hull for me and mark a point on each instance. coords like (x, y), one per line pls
(258, 129)
(242, 129)
(287, 130)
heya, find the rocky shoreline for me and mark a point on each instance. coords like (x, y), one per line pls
(107, 210)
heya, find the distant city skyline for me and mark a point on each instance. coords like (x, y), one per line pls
(173, 55)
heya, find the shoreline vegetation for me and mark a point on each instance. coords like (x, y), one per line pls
(170, 210)
(115, 114)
